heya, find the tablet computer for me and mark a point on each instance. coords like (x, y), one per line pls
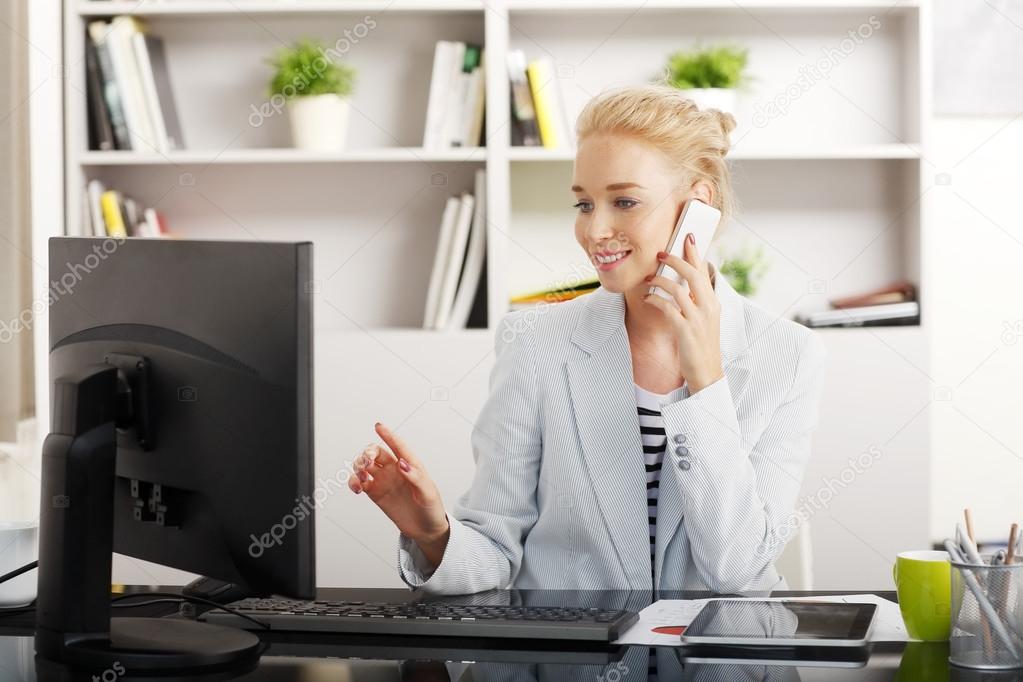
(750, 622)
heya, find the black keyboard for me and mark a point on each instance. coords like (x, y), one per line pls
(429, 618)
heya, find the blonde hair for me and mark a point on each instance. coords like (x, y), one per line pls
(695, 139)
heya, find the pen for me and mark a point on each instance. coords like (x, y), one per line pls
(969, 549)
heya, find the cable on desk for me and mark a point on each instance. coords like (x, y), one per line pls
(18, 571)
(164, 598)
(167, 597)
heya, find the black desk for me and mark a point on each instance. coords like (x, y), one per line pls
(316, 658)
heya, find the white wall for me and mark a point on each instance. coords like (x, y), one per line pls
(977, 368)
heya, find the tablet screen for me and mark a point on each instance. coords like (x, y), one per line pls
(766, 620)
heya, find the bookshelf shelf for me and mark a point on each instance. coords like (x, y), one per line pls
(855, 152)
(729, 5)
(284, 156)
(106, 8)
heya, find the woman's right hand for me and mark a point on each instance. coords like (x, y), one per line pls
(397, 482)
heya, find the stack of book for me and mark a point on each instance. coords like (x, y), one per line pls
(555, 294)
(538, 112)
(108, 213)
(894, 304)
(457, 295)
(130, 100)
(455, 110)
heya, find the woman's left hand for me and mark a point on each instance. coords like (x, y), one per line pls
(695, 315)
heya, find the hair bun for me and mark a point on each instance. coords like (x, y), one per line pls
(726, 120)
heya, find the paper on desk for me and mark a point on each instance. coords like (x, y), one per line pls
(672, 613)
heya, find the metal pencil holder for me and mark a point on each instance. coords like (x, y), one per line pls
(987, 616)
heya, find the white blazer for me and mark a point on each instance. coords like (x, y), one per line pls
(559, 495)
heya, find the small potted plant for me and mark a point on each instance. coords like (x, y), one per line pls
(316, 90)
(744, 269)
(709, 76)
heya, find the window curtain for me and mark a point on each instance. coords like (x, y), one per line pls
(16, 369)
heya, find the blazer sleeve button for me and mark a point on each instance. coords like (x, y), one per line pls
(680, 438)
(682, 451)
(684, 464)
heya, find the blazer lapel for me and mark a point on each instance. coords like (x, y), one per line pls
(604, 402)
(737, 372)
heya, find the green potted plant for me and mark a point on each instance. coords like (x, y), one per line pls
(708, 75)
(743, 269)
(316, 90)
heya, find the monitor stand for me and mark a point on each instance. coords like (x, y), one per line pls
(76, 529)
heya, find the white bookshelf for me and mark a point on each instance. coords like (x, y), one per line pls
(830, 191)
(280, 156)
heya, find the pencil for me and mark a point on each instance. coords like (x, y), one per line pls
(989, 647)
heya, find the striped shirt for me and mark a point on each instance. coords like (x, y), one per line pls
(651, 429)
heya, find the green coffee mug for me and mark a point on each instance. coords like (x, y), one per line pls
(924, 583)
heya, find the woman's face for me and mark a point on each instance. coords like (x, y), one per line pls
(629, 197)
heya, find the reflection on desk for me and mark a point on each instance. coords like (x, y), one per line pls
(304, 658)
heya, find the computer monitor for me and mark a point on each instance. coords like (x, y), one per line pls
(182, 434)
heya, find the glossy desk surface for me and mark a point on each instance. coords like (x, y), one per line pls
(316, 658)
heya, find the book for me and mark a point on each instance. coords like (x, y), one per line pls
(154, 225)
(897, 292)
(447, 63)
(478, 317)
(164, 92)
(554, 294)
(462, 104)
(84, 228)
(475, 254)
(110, 201)
(132, 216)
(447, 227)
(101, 133)
(455, 260)
(472, 135)
(458, 81)
(98, 31)
(524, 126)
(546, 103)
(129, 81)
(873, 315)
(558, 292)
(94, 190)
(152, 101)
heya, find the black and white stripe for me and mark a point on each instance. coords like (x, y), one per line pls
(651, 429)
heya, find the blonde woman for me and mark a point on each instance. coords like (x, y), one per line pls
(627, 441)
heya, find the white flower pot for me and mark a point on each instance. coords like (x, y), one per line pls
(722, 99)
(319, 123)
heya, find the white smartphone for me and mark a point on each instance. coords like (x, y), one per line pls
(698, 218)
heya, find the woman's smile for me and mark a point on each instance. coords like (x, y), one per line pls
(609, 260)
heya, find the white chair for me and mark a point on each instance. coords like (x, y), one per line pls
(796, 561)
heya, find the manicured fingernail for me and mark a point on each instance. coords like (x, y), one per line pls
(661, 255)
(691, 238)
(403, 465)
